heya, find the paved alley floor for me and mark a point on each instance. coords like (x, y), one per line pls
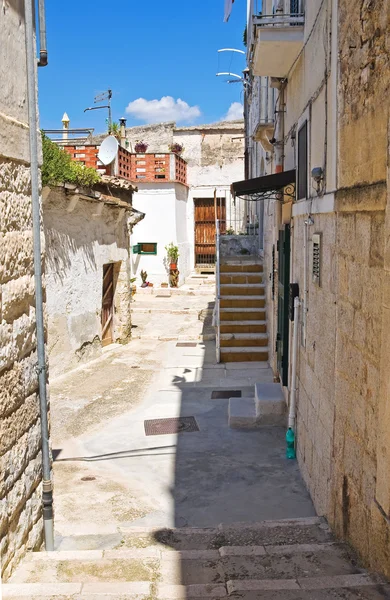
(109, 475)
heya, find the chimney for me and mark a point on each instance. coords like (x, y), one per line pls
(122, 124)
(65, 127)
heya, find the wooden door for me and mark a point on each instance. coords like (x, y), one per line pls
(282, 337)
(206, 209)
(108, 304)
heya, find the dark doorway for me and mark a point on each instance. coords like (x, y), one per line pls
(108, 304)
(283, 300)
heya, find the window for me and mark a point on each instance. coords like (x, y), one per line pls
(145, 248)
(302, 161)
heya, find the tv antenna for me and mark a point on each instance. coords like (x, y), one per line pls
(101, 97)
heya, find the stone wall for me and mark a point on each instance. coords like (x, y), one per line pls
(239, 246)
(79, 243)
(20, 441)
(343, 406)
(361, 490)
(316, 368)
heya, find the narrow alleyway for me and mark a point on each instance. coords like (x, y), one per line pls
(119, 493)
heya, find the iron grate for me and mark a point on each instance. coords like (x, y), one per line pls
(186, 345)
(225, 394)
(170, 425)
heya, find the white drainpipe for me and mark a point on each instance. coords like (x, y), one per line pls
(291, 414)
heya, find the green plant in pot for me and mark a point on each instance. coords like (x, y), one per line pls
(173, 255)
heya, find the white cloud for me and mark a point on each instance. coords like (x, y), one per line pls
(166, 109)
(235, 112)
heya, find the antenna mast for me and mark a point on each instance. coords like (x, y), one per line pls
(107, 95)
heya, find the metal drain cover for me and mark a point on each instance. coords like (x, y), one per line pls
(225, 394)
(186, 344)
(173, 425)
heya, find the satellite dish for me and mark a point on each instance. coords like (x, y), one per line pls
(108, 150)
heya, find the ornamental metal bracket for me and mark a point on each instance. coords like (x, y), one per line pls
(288, 190)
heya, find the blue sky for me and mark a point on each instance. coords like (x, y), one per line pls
(141, 50)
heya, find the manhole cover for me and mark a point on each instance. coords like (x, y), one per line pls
(173, 425)
(186, 344)
(219, 394)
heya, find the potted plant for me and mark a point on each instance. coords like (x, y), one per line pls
(173, 255)
(176, 148)
(144, 277)
(164, 284)
(140, 147)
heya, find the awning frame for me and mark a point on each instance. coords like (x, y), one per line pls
(268, 187)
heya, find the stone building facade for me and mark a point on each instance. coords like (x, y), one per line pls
(330, 111)
(87, 231)
(214, 154)
(20, 437)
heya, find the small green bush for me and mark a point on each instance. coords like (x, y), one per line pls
(58, 167)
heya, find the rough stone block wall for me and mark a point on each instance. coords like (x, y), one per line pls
(354, 510)
(20, 441)
(316, 360)
(361, 490)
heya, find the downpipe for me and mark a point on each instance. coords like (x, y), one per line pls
(290, 434)
(47, 495)
(293, 395)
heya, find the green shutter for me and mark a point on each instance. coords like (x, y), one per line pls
(145, 248)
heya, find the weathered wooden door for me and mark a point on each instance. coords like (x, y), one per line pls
(283, 299)
(206, 210)
(108, 304)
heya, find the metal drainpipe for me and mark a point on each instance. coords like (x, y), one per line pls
(47, 496)
(291, 413)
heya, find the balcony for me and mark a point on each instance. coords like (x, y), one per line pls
(261, 110)
(152, 167)
(275, 43)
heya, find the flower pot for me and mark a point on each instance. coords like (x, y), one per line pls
(141, 148)
(173, 266)
(164, 284)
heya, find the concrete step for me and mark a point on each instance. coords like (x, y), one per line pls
(237, 354)
(250, 289)
(242, 314)
(245, 326)
(238, 267)
(270, 403)
(226, 570)
(243, 340)
(344, 587)
(243, 302)
(240, 278)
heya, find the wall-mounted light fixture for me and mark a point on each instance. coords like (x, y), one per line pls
(318, 176)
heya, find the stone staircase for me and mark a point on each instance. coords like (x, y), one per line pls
(272, 560)
(242, 311)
